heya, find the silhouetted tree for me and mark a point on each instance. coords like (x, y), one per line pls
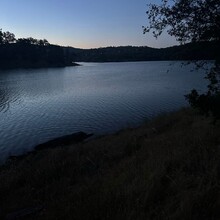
(192, 21)
(45, 42)
(1, 36)
(6, 37)
(33, 41)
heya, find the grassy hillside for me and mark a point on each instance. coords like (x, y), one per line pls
(169, 168)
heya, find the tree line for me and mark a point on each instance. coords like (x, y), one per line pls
(8, 38)
(190, 51)
(30, 53)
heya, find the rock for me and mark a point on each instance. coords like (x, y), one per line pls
(64, 140)
(24, 213)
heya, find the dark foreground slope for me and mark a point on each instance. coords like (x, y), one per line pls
(167, 169)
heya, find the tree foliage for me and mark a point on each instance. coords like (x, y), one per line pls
(6, 37)
(192, 21)
(187, 20)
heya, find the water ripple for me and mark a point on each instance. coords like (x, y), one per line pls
(37, 105)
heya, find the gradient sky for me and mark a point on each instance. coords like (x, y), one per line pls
(81, 23)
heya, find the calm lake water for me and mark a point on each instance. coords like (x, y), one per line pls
(40, 104)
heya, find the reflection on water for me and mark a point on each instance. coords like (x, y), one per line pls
(37, 105)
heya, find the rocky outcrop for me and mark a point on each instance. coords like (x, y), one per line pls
(64, 140)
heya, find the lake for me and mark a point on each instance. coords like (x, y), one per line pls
(37, 105)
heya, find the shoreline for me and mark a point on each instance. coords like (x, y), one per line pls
(37, 66)
(167, 165)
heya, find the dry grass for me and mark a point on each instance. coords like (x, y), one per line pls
(167, 169)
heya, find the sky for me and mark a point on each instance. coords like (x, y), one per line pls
(81, 23)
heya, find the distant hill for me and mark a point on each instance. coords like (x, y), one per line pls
(34, 53)
(191, 51)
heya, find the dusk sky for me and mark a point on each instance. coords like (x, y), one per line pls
(81, 23)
